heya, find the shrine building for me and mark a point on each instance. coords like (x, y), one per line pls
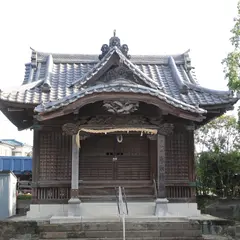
(112, 120)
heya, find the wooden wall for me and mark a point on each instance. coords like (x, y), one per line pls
(180, 173)
(179, 156)
(55, 156)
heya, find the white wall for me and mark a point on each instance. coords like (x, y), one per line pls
(12, 194)
(22, 150)
(5, 150)
(8, 199)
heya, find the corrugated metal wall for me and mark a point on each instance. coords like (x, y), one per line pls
(18, 165)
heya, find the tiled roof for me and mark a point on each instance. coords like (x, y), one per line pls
(56, 79)
(11, 142)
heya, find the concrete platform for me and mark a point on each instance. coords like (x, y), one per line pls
(110, 209)
(63, 220)
(202, 217)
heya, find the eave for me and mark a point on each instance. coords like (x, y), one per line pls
(19, 114)
(71, 107)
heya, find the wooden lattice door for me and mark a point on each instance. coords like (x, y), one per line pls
(104, 158)
(106, 164)
(133, 158)
(96, 158)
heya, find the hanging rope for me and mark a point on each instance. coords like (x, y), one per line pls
(112, 130)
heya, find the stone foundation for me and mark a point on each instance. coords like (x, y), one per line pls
(136, 227)
(182, 229)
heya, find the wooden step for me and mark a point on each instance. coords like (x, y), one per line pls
(114, 186)
(113, 197)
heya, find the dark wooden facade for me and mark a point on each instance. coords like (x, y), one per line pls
(105, 164)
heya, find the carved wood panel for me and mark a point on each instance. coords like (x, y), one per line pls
(55, 156)
(177, 156)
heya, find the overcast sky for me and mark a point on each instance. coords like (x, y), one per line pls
(148, 27)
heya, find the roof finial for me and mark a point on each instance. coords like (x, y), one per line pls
(114, 42)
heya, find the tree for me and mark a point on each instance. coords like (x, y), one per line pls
(218, 173)
(220, 135)
(218, 157)
(232, 61)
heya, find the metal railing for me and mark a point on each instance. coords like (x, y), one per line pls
(121, 199)
(125, 199)
(155, 188)
(117, 200)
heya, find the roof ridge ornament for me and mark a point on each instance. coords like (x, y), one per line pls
(114, 41)
(187, 61)
(34, 58)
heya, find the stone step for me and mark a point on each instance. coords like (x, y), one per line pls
(118, 234)
(238, 231)
(142, 238)
(117, 226)
(216, 237)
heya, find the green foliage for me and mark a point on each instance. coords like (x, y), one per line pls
(220, 135)
(217, 173)
(218, 161)
(24, 197)
(231, 62)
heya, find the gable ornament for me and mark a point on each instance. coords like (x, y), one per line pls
(121, 106)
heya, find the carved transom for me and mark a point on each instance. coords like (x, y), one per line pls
(70, 128)
(120, 120)
(120, 107)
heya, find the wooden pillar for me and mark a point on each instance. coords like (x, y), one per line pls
(161, 208)
(161, 166)
(74, 202)
(75, 167)
(191, 164)
(164, 130)
(72, 130)
(35, 165)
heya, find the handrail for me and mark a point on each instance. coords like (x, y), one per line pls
(122, 212)
(117, 200)
(155, 188)
(125, 199)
